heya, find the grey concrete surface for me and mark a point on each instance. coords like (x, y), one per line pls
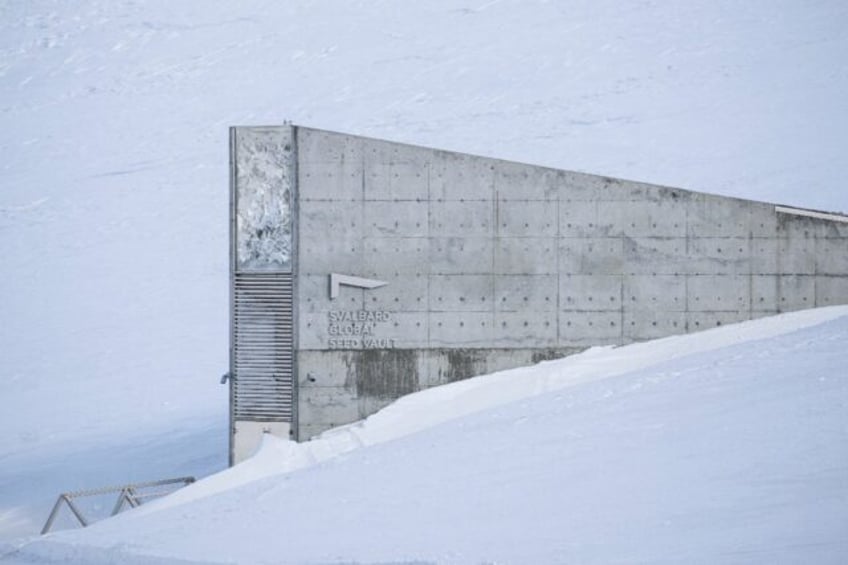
(492, 264)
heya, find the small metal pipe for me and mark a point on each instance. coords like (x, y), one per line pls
(53, 514)
(119, 504)
(76, 512)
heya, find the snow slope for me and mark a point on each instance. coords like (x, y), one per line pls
(726, 446)
(113, 182)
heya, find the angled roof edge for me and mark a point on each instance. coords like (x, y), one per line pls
(779, 208)
(830, 216)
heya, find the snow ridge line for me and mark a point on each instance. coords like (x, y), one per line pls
(434, 406)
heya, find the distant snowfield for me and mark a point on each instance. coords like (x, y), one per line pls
(113, 181)
(725, 446)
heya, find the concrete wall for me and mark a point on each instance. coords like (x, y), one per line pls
(492, 264)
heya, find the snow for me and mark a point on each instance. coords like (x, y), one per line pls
(114, 179)
(434, 406)
(725, 446)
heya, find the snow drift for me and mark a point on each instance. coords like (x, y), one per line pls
(724, 446)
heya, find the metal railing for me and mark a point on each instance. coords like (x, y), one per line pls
(131, 495)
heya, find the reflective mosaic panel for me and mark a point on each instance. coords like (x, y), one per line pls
(264, 178)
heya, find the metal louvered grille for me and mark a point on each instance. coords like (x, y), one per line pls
(263, 333)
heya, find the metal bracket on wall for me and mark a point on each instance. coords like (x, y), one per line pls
(336, 280)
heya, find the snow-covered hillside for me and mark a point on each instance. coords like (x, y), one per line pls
(113, 182)
(728, 446)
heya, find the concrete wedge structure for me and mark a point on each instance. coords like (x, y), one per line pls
(363, 270)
